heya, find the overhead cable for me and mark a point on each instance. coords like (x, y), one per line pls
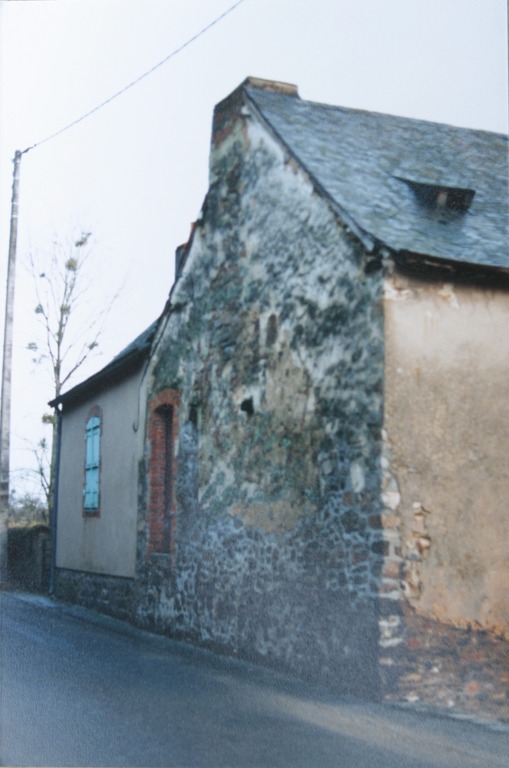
(138, 79)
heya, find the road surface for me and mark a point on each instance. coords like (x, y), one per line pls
(79, 689)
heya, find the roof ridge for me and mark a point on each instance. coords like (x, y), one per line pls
(251, 83)
(352, 157)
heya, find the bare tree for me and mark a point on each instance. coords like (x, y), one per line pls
(42, 455)
(69, 328)
(35, 477)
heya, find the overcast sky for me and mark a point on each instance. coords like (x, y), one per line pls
(135, 172)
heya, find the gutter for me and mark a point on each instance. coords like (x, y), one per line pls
(121, 365)
(98, 381)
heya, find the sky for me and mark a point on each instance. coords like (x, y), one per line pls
(134, 173)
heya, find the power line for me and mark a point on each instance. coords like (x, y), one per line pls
(138, 79)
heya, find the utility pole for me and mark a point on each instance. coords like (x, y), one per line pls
(5, 414)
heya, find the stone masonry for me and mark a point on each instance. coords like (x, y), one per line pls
(274, 342)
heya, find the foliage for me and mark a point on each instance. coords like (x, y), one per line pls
(27, 509)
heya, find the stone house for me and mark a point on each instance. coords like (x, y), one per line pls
(323, 479)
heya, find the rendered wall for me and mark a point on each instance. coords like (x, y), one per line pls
(275, 346)
(447, 420)
(447, 428)
(104, 544)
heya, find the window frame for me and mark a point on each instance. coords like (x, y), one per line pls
(92, 433)
(162, 436)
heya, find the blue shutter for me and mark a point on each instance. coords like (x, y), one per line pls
(93, 440)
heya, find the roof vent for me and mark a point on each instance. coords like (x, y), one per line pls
(441, 197)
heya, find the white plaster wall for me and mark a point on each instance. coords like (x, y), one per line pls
(104, 544)
(447, 424)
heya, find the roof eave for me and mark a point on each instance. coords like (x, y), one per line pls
(103, 379)
(434, 266)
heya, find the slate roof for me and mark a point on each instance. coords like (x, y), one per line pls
(365, 163)
(358, 160)
(122, 365)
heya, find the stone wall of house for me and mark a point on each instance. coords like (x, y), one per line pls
(111, 595)
(274, 344)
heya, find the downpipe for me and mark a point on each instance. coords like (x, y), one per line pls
(54, 510)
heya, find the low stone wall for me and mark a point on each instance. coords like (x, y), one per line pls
(111, 595)
(29, 557)
(248, 597)
(454, 669)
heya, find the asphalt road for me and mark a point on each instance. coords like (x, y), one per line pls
(83, 690)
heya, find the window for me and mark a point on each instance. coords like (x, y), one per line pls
(92, 463)
(162, 436)
(441, 197)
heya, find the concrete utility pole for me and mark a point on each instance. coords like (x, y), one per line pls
(5, 414)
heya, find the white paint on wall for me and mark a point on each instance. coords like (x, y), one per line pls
(105, 544)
